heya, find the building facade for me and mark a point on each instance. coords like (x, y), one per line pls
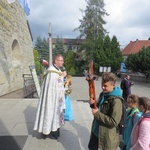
(69, 44)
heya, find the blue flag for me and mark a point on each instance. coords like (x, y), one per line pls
(25, 4)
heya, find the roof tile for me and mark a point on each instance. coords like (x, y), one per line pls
(135, 46)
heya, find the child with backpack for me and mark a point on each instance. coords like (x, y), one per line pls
(132, 115)
(140, 136)
(107, 115)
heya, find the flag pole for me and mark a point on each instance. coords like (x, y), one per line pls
(50, 44)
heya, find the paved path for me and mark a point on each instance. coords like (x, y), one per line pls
(17, 116)
(80, 88)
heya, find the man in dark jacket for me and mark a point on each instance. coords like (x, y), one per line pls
(107, 115)
(126, 87)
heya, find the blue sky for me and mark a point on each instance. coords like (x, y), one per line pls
(128, 20)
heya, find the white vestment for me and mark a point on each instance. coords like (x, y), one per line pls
(51, 105)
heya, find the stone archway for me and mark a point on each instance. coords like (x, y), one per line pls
(17, 66)
(16, 52)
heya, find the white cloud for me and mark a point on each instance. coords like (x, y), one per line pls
(128, 20)
(63, 15)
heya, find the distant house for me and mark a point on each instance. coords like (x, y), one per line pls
(134, 47)
(72, 44)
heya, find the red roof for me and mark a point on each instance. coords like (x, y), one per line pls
(135, 46)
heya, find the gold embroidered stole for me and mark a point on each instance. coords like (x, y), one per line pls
(51, 71)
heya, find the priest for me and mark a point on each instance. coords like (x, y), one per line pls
(51, 105)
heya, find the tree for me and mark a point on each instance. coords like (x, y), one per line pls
(107, 53)
(99, 54)
(38, 66)
(81, 62)
(59, 47)
(45, 51)
(69, 62)
(92, 23)
(139, 62)
(143, 63)
(91, 26)
(116, 57)
(69, 45)
(42, 46)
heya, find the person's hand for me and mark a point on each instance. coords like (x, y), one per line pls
(92, 101)
(94, 110)
(132, 83)
(64, 73)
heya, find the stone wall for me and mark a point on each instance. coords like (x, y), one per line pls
(16, 50)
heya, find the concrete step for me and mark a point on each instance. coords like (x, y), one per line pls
(77, 132)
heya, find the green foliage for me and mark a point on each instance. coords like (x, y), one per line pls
(107, 50)
(69, 62)
(139, 62)
(107, 53)
(35, 52)
(38, 65)
(89, 46)
(97, 45)
(69, 45)
(91, 25)
(130, 62)
(59, 47)
(99, 55)
(42, 46)
(81, 62)
(72, 71)
(116, 55)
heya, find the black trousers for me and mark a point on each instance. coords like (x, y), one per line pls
(93, 143)
(55, 134)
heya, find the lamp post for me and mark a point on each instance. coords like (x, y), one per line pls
(50, 44)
